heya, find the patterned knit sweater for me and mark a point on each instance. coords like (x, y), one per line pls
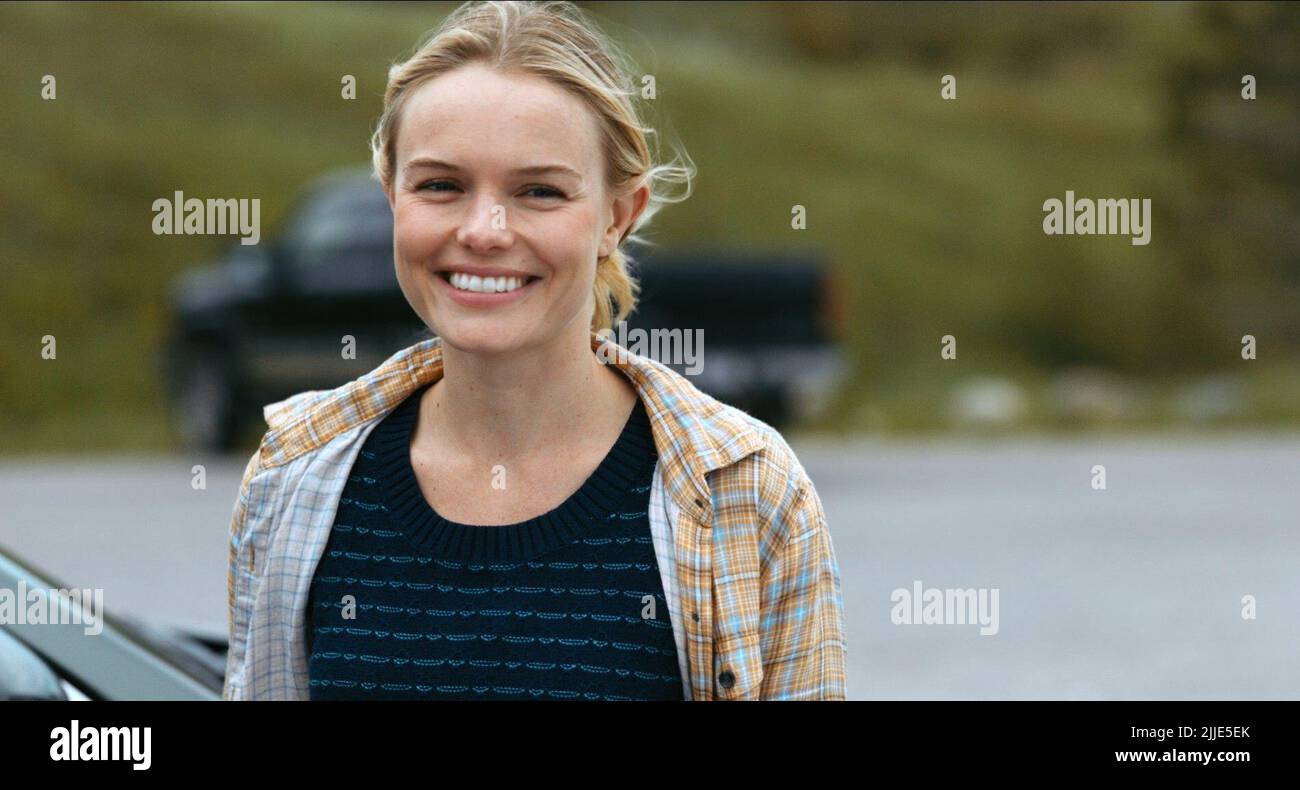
(406, 604)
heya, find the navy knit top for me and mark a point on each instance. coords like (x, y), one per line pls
(406, 604)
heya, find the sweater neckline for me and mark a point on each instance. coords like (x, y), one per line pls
(628, 460)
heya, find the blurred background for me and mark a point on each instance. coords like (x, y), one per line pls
(924, 219)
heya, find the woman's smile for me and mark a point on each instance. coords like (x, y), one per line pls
(474, 290)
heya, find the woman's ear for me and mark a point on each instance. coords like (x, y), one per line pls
(625, 210)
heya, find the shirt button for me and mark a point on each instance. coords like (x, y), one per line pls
(726, 679)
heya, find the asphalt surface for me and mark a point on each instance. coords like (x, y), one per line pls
(1132, 592)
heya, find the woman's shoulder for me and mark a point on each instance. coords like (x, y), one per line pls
(310, 420)
(781, 483)
(766, 490)
(742, 456)
(279, 414)
(719, 433)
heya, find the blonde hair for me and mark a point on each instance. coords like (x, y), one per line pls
(557, 42)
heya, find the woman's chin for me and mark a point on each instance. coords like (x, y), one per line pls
(483, 336)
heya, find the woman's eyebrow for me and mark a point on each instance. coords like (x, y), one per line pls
(530, 170)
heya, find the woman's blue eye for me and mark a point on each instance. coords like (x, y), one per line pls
(547, 191)
(552, 192)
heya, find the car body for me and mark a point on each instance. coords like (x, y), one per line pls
(126, 659)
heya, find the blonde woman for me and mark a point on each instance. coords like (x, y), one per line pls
(519, 508)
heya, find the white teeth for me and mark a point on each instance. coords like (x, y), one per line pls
(469, 282)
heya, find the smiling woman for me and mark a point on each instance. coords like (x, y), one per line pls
(483, 159)
(519, 508)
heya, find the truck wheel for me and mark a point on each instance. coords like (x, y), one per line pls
(206, 402)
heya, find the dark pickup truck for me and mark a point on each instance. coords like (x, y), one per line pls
(269, 320)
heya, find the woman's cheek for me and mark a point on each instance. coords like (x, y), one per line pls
(411, 224)
(408, 241)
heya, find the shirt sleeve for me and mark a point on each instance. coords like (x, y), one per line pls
(237, 577)
(803, 609)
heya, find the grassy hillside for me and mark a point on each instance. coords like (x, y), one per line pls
(929, 211)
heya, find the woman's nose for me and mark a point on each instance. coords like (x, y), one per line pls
(486, 225)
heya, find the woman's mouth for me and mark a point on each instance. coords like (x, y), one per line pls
(485, 285)
(472, 290)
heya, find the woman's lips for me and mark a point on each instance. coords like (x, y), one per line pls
(483, 299)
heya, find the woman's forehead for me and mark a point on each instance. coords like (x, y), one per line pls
(478, 114)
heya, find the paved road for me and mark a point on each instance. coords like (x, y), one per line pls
(1133, 592)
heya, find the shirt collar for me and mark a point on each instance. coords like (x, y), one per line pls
(694, 433)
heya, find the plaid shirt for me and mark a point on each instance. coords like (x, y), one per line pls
(749, 572)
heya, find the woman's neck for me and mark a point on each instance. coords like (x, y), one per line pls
(502, 407)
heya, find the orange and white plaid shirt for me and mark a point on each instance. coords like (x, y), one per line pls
(749, 571)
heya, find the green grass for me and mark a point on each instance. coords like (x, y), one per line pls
(928, 211)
